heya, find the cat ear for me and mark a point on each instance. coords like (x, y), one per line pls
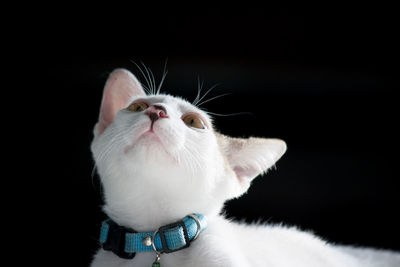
(120, 87)
(250, 157)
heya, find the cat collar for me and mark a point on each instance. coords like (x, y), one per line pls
(125, 242)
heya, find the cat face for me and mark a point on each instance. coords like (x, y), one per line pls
(160, 153)
(164, 133)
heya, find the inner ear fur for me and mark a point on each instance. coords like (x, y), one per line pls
(250, 157)
(120, 88)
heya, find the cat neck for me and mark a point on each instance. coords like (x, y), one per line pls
(141, 203)
(150, 221)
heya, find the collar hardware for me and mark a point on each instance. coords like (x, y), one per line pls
(126, 242)
(163, 229)
(116, 239)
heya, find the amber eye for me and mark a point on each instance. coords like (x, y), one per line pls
(137, 106)
(194, 121)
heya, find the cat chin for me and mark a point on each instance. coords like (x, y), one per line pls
(150, 148)
(147, 141)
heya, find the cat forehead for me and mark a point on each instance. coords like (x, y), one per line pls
(180, 104)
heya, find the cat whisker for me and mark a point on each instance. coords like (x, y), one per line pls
(93, 174)
(92, 179)
(148, 89)
(165, 72)
(190, 161)
(147, 73)
(208, 91)
(199, 88)
(115, 140)
(215, 97)
(161, 82)
(229, 114)
(151, 78)
(186, 157)
(192, 156)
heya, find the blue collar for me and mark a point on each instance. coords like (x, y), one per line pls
(125, 242)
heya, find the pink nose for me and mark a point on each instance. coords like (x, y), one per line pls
(156, 112)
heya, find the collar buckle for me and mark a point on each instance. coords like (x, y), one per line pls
(116, 240)
(162, 230)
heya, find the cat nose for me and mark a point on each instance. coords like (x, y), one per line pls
(156, 112)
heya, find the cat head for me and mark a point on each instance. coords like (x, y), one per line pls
(159, 154)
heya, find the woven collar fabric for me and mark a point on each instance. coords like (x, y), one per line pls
(174, 237)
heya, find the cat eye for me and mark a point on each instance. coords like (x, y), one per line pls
(137, 106)
(193, 120)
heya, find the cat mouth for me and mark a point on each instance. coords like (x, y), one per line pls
(150, 133)
(147, 138)
(150, 137)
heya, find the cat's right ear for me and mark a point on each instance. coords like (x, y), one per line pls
(120, 88)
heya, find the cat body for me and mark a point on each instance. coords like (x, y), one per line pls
(226, 243)
(159, 159)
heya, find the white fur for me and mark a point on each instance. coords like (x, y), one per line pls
(157, 179)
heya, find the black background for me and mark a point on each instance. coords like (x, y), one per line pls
(322, 78)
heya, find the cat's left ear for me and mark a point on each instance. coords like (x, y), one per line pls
(250, 157)
(120, 88)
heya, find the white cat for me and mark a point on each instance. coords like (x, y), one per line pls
(159, 159)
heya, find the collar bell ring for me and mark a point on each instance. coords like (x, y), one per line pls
(125, 242)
